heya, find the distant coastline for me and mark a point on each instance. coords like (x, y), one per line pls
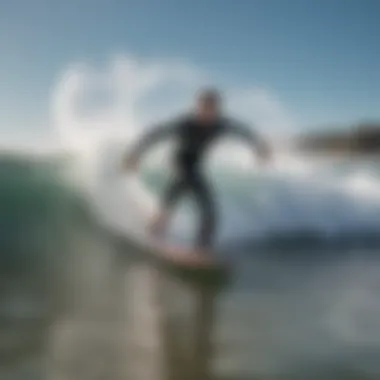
(361, 139)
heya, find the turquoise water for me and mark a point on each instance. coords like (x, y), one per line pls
(39, 217)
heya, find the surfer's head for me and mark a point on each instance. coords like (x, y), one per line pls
(208, 105)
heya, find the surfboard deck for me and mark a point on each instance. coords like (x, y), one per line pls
(184, 255)
(191, 265)
(201, 264)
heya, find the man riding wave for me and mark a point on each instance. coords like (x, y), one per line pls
(194, 135)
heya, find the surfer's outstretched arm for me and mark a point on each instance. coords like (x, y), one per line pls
(155, 135)
(248, 135)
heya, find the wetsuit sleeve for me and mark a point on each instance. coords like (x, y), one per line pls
(155, 135)
(248, 135)
(242, 131)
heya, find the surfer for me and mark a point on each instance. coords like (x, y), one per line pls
(194, 134)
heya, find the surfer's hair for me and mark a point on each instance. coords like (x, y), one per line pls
(210, 95)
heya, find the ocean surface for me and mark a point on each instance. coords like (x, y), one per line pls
(303, 235)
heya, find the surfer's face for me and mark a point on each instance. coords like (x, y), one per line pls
(207, 111)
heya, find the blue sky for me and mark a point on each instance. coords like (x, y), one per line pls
(321, 58)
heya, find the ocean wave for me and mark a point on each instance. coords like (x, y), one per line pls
(39, 212)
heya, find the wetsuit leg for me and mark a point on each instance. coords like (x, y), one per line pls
(168, 200)
(173, 192)
(205, 199)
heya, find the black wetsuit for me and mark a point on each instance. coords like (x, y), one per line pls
(193, 140)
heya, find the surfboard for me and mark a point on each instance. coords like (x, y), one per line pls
(183, 255)
(189, 264)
